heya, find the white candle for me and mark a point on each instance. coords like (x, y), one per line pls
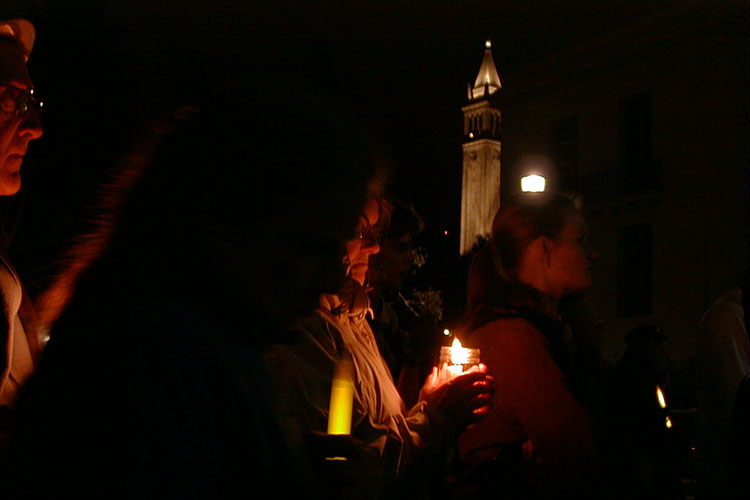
(454, 360)
(454, 370)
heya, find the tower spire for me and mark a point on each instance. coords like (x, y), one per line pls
(488, 80)
(480, 191)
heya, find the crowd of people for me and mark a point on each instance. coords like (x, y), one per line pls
(196, 335)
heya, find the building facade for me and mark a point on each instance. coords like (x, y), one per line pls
(650, 125)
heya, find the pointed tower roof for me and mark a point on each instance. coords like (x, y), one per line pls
(487, 76)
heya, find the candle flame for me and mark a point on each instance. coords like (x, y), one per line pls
(669, 423)
(660, 397)
(459, 354)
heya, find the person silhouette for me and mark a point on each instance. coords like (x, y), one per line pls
(214, 238)
(20, 124)
(537, 440)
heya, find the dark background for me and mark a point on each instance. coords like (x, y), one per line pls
(399, 68)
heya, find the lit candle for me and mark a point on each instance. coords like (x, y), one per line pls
(454, 360)
(342, 396)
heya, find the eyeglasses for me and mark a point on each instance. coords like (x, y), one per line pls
(369, 235)
(19, 101)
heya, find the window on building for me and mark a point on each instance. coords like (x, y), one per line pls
(565, 133)
(634, 142)
(634, 270)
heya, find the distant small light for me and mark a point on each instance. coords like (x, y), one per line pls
(533, 183)
(660, 397)
(669, 423)
(445, 233)
(446, 332)
(488, 44)
(471, 135)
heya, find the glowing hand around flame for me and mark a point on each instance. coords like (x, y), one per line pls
(465, 399)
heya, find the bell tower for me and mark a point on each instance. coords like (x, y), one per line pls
(480, 193)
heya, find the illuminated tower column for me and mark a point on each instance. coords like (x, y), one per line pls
(480, 193)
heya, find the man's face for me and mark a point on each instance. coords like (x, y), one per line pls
(395, 260)
(360, 249)
(16, 130)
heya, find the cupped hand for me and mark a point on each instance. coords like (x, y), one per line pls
(465, 399)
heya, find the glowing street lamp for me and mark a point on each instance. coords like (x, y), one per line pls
(533, 184)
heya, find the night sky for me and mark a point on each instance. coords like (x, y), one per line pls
(399, 68)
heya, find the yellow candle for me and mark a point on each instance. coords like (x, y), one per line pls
(342, 396)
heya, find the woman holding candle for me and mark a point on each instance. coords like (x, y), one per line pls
(537, 438)
(402, 449)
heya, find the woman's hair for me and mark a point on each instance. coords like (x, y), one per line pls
(493, 286)
(376, 191)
